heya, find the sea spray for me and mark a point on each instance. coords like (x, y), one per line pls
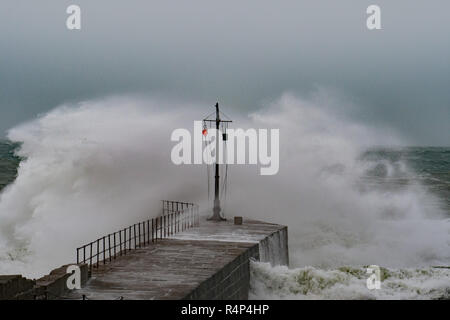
(334, 217)
(88, 170)
(92, 168)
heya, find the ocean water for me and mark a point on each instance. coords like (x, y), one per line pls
(91, 168)
(390, 170)
(397, 168)
(8, 162)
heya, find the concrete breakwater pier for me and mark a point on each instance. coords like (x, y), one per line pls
(209, 260)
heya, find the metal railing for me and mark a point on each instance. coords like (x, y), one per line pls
(176, 217)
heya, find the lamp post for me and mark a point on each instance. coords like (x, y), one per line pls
(216, 209)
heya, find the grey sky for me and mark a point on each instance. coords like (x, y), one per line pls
(240, 52)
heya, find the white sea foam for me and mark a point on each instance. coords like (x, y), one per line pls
(347, 283)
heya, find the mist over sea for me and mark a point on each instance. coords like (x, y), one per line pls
(83, 170)
(8, 162)
(429, 166)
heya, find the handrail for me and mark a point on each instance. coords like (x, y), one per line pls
(176, 217)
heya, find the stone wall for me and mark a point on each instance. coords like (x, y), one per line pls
(12, 286)
(50, 287)
(229, 283)
(232, 282)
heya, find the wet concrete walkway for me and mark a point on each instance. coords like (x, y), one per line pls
(172, 268)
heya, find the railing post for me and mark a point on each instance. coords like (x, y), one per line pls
(148, 231)
(129, 238)
(109, 247)
(144, 237)
(120, 242)
(143, 232)
(114, 245)
(78, 255)
(98, 251)
(84, 254)
(139, 232)
(134, 233)
(90, 257)
(104, 251)
(125, 241)
(152, 230)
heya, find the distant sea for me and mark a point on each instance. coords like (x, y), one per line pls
(430, 167)
(9, 162)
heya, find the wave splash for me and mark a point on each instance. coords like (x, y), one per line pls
(87, 170)
(346, 283)
(95, 167)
